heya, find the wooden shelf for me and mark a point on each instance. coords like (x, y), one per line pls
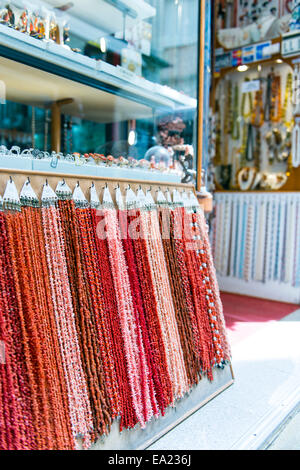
(273, 41)
(224, 70)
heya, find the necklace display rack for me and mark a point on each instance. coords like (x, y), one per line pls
(202, 393)
(257, 129)
(255, 244)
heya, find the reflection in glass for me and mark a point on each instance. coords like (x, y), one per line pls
(147, 54)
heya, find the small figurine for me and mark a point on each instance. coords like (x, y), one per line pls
(144, 164)
(22, 24)
(7, 16)
(162, 166)
(153, 165)
(78, 160)
(110, 160)
(132, 162)
(53, 30)
(41, 29)
(66, 34)
(37, 27)
(98, 158)
(122, 161)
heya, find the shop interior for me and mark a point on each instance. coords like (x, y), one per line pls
(116, 84)
(255, 103)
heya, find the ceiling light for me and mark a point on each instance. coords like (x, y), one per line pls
(242, 68)
(103, 45)
(132, 138)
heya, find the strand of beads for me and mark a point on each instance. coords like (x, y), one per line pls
(27, 306)
(125, 311)
(183, 319)
(128, 417)
(176, 233)
(150, 405)
(215, 292)
(191, 244)
(90, 262)
(85, 321)
(151, 232)
(56, 385)
(162, 379)
(79, 407)
(16, 426)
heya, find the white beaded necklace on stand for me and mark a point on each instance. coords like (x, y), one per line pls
(296, 144)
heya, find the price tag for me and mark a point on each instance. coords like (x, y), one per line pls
(291, 45)
(252, 85)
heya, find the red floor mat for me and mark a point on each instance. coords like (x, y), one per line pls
(244, 315)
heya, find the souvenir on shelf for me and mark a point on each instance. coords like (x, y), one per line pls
(156, 159)
(37, 25)
(7, 16)
(131, 60)
(40, 22)
(253, 21)
(22, 21)
(138, 36)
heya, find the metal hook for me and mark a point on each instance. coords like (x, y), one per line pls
(78, 184)
(93, 184)
(149, 189)
(63, 182)
(46, 182)
(118, 187)
(128, 187)
(10, 179)
(28, 180)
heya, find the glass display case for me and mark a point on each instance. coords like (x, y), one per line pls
(101, 84)
(103, 107)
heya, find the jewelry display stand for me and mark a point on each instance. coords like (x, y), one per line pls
(257, 164)
(98, 91)
(200, 394)
(140, 439)
(255, 244)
